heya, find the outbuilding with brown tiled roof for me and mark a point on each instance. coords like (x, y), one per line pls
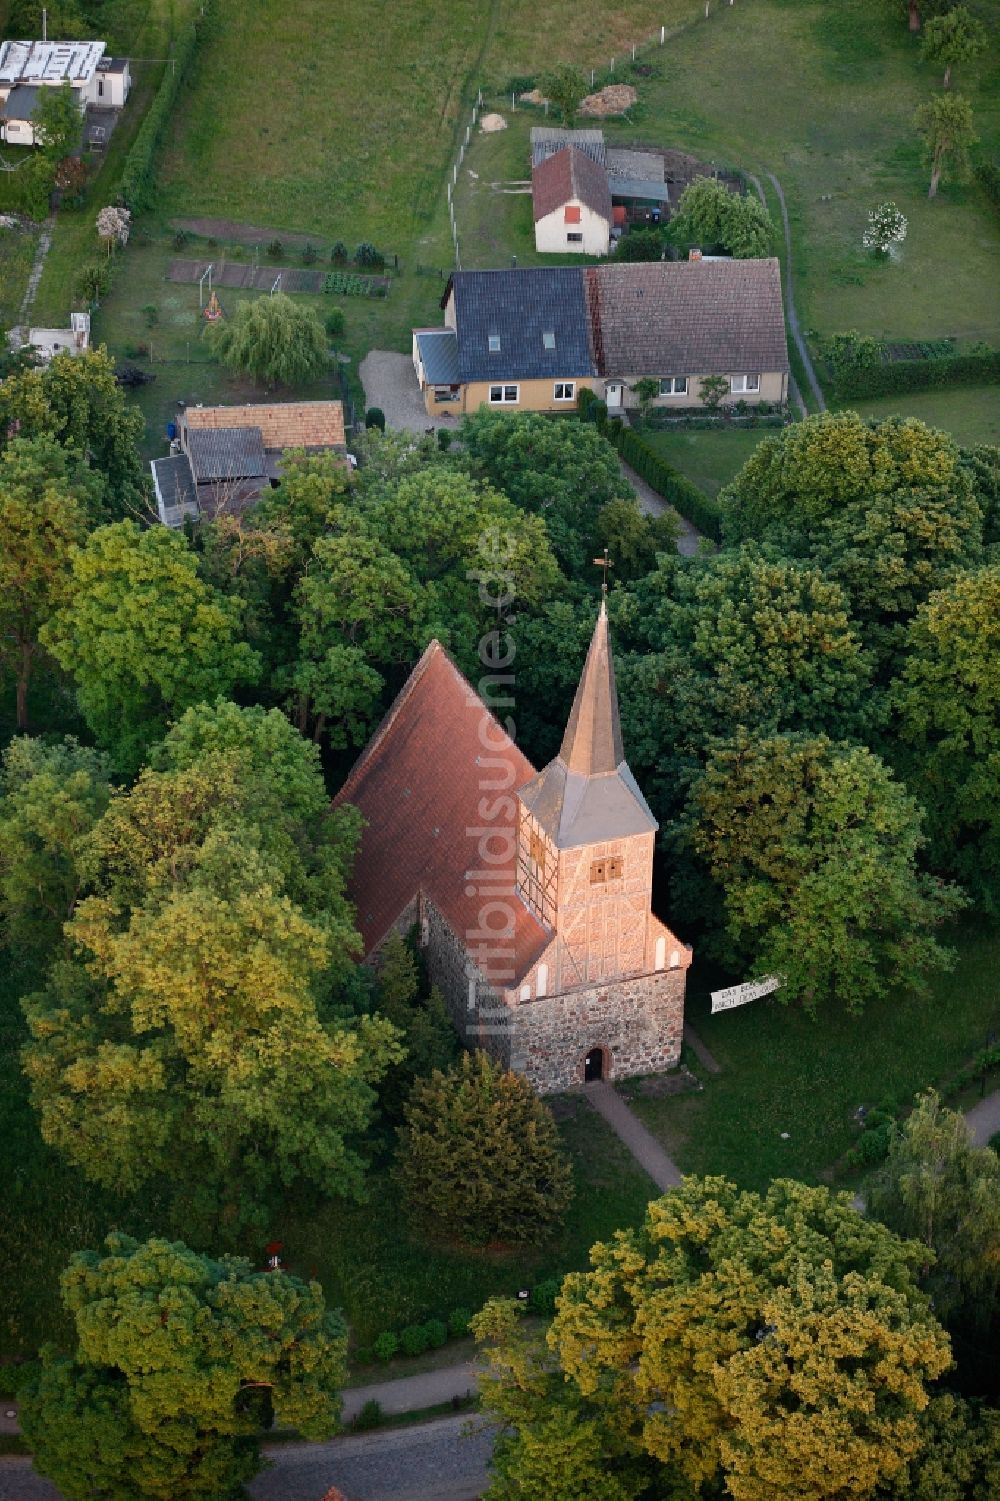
(571, 201)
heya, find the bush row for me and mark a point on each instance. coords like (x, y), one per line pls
(416, 1338)
(900, 376)
(693, 504)
(137, 188)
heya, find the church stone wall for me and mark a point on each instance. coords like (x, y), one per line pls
(639, 1022)
(485, 1023)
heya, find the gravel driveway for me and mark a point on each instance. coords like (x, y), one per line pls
(390, 382)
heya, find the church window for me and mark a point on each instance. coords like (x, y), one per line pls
(661, 953)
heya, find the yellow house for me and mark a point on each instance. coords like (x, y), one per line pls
(515, 340)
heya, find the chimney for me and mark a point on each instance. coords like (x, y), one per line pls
(694, 254)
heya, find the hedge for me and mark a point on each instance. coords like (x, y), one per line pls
(137, 189)
(899, 376)
(693, 504)
(988, 174)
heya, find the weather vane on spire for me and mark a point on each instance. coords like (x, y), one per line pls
(604, 563)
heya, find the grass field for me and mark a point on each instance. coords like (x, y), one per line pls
(971, 414)
(784, 1072)
(708, 458)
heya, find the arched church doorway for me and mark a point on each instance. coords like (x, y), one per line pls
(593, 1066)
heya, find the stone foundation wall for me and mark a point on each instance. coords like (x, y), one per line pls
(481, 1017)
(638, 1022)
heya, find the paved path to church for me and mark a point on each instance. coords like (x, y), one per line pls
(413, 1393)
(688, 541)
(984, 1119)
(629, 1129)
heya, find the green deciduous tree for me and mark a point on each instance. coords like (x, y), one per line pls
(43, 498)
(750, 639)
(199, 1035)
(885, 508)
(57, 123)
(273, 340)
(709, 214)
(359, 613)
(179, 1358)
(564, 472)
(939, 1189)
(947, 699)
(959, 1456)
(143, 637)
(813, 846)
(945, 125)
(51, 796)
(565, 88)
(479, 1157)
(951, 38)
(76, 399)
(773, 1345)
(467, 544)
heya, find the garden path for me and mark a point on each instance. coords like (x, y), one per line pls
(793, 317)
(19, 334)
(629, 1129)
(689, 541)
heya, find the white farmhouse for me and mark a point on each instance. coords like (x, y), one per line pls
(98, 81)
(572, 203)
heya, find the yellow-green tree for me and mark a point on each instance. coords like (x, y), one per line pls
(771, 1345)
(178, 1360)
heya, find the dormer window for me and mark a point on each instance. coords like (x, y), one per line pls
(494, 343)
(549, 340)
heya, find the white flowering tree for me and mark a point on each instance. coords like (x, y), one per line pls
(886, 227)
(113, 225)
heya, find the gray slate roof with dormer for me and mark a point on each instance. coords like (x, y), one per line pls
(536, 316)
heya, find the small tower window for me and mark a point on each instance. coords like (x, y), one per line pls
(611, 869)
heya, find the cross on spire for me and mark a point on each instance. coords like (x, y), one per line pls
(604, 563)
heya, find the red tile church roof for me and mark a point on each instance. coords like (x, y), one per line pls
(421, 785)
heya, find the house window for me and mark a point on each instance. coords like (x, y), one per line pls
(674, 385)
(564, 390)
(572, 214)
(574, 239)
(503, 395)
(494, 343)
(739, 383)
(549, 339)
(100, 88)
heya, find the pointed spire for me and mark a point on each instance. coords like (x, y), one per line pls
(592, 743)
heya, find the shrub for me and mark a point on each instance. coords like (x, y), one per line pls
(334, 322)
(873, 1147)
(362, 1355)
(901, 376)
(994, 1142)
(640, 245)
(181, 238)
(367, 255)
(386, 1345)
(437, 1333)
(137, 188)
(93, 281)
(151, 313)
(542, 1298)
(479, 1156)
(375, 417)
(309, 254)
(693, 504)
(369, 1416)
(275, 248)
(413, 1340)
(444, 439)
(339, 251)
(458, 1322)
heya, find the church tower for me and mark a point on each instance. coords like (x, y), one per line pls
(585, 844)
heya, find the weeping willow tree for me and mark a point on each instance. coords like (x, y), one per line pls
(274, 341)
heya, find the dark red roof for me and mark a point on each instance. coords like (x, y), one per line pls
(420, 785)
(567, 175)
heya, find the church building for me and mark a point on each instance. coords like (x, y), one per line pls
(530, 890)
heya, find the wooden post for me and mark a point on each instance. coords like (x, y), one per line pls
(663, 35)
